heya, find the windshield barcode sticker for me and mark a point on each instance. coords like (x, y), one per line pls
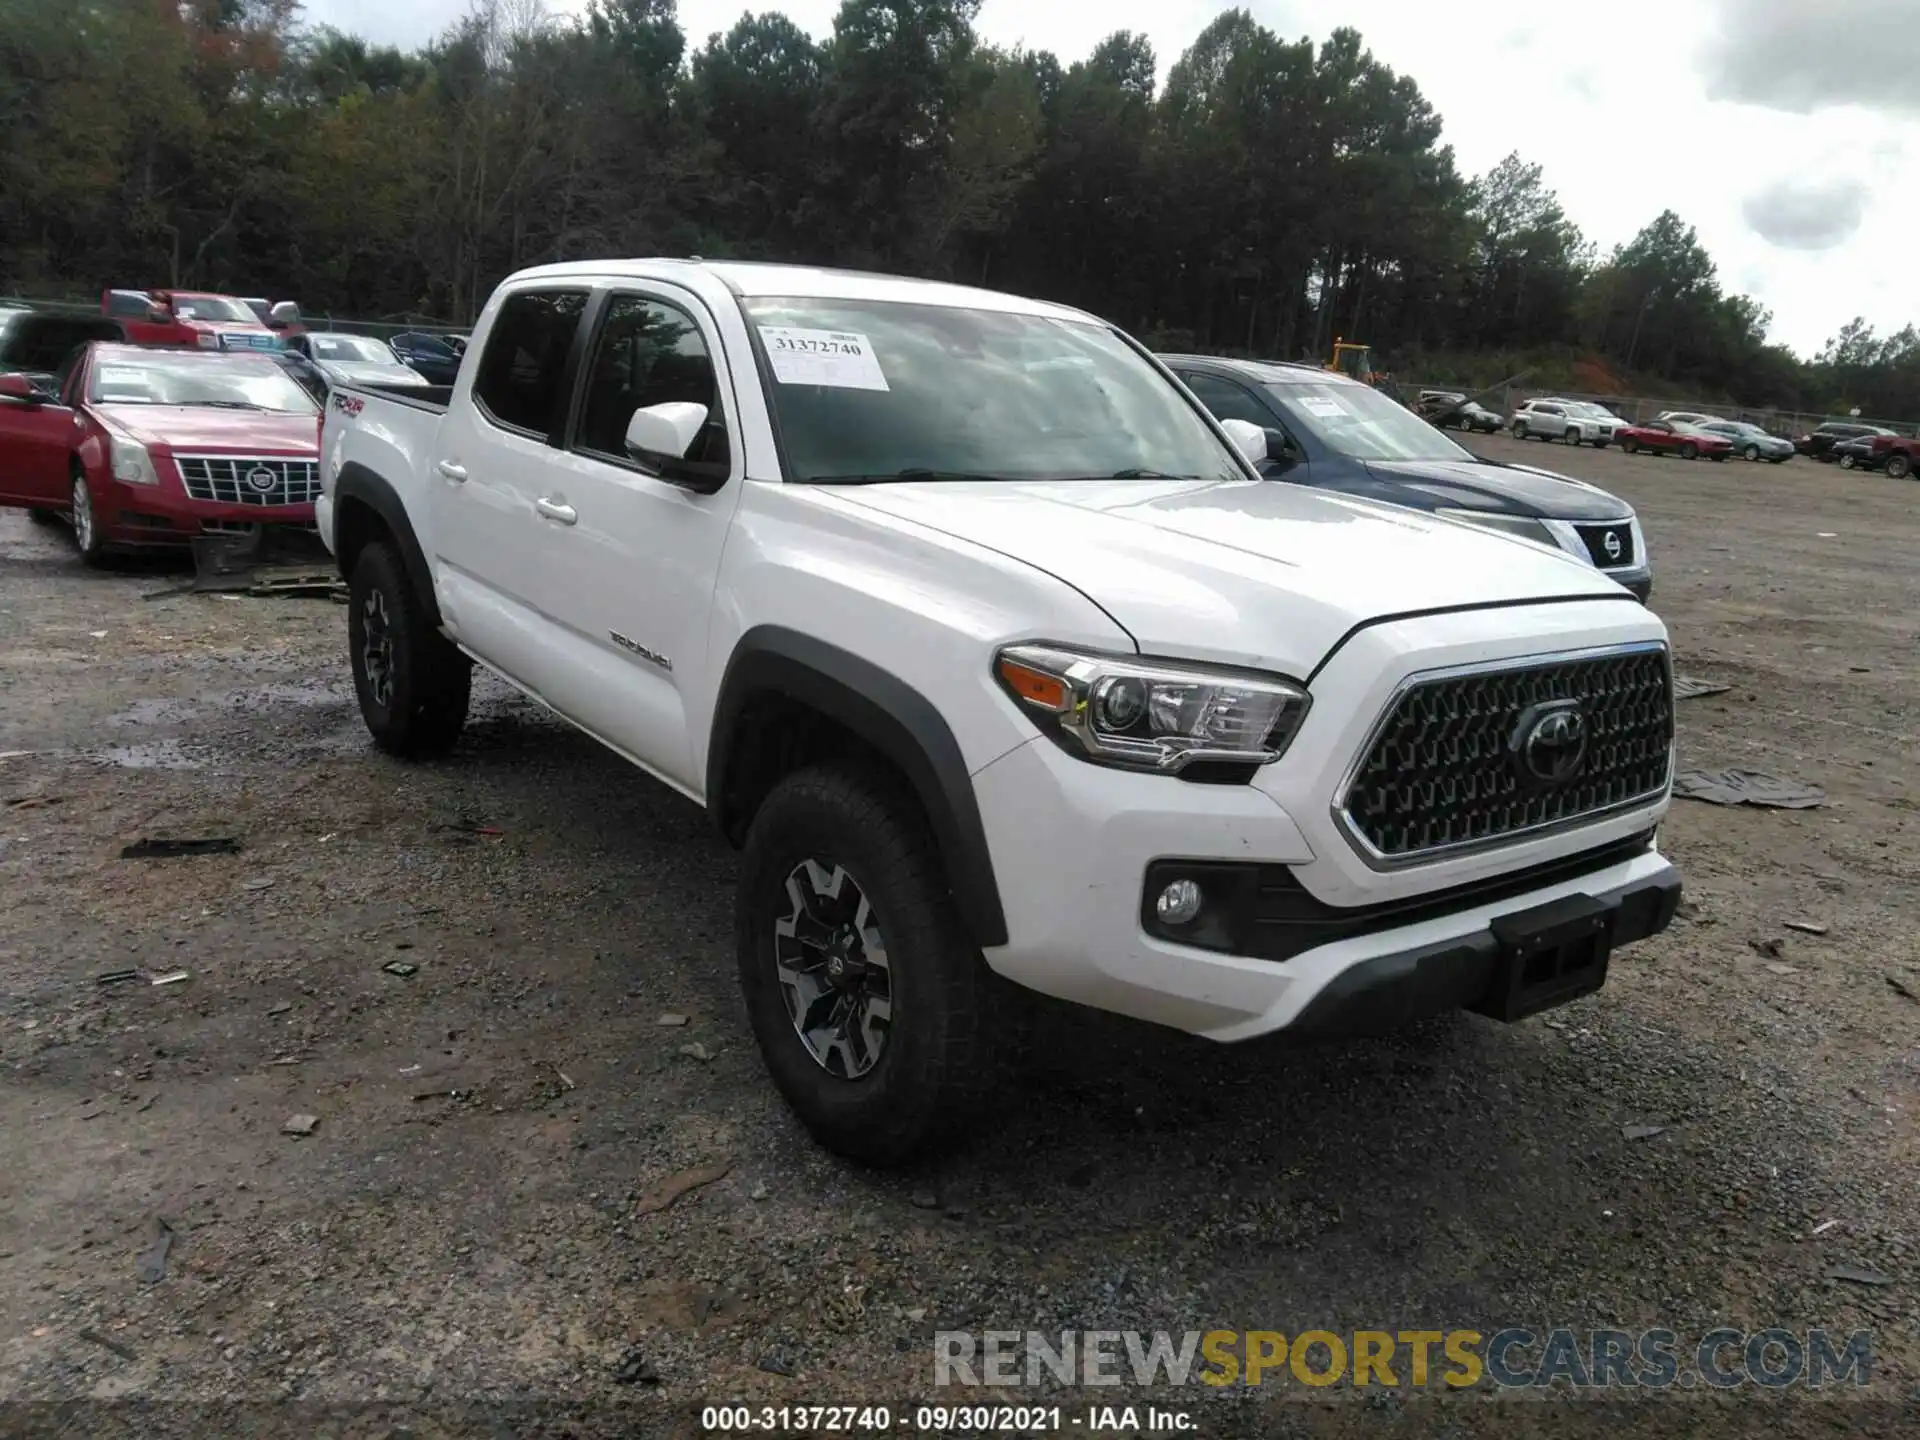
(1325, 408)
(840, 358)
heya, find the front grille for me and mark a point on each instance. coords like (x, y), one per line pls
(1594, 537)
(243, 480)
(1442, 772)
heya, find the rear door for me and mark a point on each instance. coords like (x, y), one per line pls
(493, 456)
(627, 559)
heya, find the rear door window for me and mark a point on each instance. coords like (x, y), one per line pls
(522, 372)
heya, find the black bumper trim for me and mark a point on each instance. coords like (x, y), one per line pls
(1391, 991)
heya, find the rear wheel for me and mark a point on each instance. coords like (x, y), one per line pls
(1752, 452)
(874, 1013)
(1846, 461)
(412, 681)
(1899, 465)
(1689, 451)
(86, 523)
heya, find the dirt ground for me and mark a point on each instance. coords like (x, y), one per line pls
(466, 1243)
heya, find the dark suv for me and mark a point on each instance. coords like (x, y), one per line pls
(1333, 433)
(37, 344)
(1820, 441)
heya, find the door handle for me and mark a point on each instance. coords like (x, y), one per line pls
(553, 510)
(452, 470)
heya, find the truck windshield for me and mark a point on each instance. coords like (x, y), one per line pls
(875, 391)
(213, 307)
(1359, 422)
(233, 382)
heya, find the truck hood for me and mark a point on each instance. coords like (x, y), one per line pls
(1509, 489)
(369, 372)
(1247, 572)
(200, 427)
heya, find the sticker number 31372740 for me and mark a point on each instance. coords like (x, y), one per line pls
(843, 359)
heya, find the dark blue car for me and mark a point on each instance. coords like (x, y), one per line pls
(1334, 433)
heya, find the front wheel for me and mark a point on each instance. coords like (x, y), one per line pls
(1846, 462)
(1689, 451)
(86, 523)
(1631, 447)
(412, 681)
(1899, 465)
(872, 1010)
(1519, 429)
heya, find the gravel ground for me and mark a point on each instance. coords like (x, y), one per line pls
(468, 1234)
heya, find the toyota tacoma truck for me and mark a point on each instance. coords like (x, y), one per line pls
(996, 657)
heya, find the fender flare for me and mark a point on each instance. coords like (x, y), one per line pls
(358, 485)
(889, 715)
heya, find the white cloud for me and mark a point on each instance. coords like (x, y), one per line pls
(1692, 105)
(1798, 216)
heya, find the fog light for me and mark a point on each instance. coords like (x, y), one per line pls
(1179, 903)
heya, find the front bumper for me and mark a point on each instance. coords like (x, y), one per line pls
(165, 515)
(1081, 840)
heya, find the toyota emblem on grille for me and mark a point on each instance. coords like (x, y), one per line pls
(262, 480)
(1549, 743)
(1612, 544)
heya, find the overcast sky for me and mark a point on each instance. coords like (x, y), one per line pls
(1760, 121)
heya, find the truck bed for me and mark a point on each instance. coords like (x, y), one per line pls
(434, 399)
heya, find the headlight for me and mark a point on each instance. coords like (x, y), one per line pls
(131, 463)
(206, 340)
(1516, 525)
(1159, 715)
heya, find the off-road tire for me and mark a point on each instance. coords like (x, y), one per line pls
(1899, 466)
(948, 1036)
(418, 706)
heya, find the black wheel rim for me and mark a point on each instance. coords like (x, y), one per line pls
(376, 648)
(831, 961)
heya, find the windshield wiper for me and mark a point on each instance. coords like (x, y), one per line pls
(228, 404)
(1141, 472)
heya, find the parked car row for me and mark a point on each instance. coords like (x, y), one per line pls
(175, 413)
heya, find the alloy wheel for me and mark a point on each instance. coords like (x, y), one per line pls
(831, 959)
(376, 649)
(82, 514)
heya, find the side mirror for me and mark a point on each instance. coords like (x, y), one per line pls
(158, 314)
(1249, 439)
(659, 437)
(21, 387)
(282, 315)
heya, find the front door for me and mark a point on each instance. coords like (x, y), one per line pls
(628, 559)
(36, 446)
(493, 455)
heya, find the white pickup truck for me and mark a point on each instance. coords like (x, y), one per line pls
(998, 660)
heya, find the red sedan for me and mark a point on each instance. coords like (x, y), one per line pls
(139, 448)
(1673, 437)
